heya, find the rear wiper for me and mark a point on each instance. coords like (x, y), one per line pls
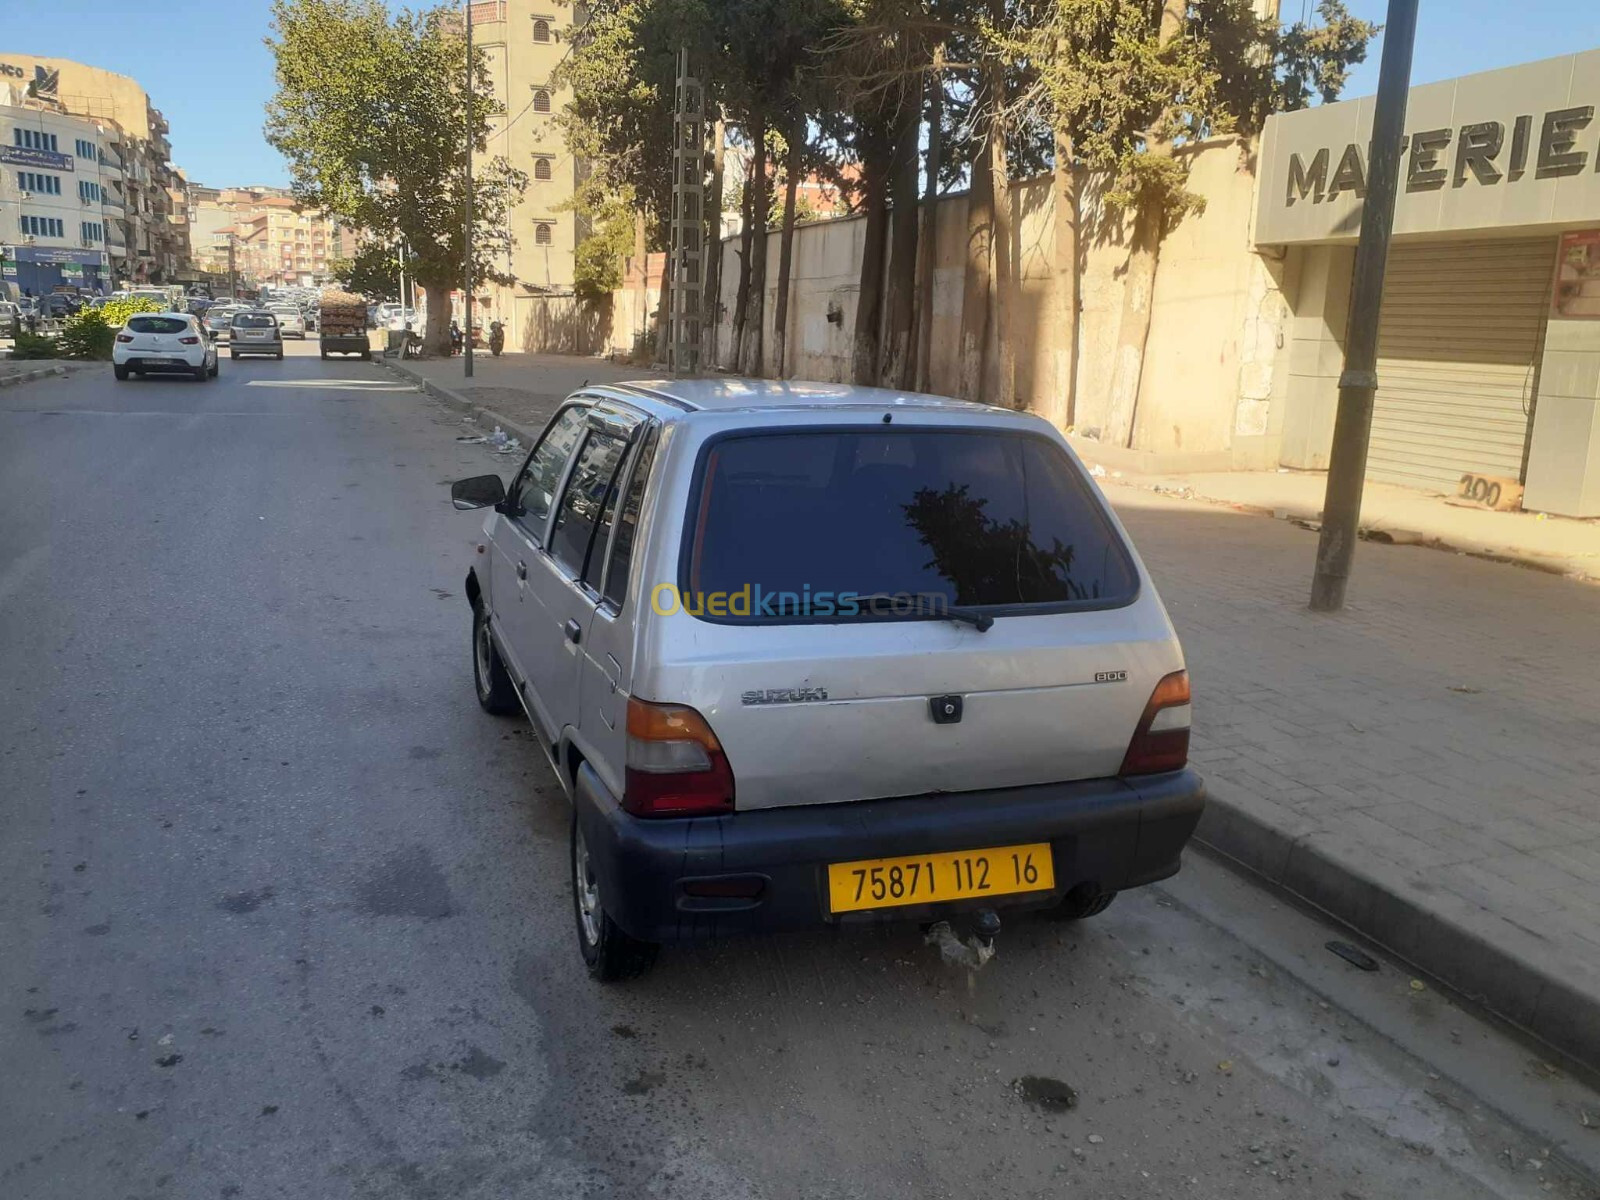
(925, 607)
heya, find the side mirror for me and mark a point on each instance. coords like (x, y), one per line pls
(478, 492)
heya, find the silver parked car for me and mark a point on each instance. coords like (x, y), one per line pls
(291, 321)
(805, 654)
(254, 331)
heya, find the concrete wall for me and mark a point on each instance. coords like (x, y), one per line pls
(1218, 319)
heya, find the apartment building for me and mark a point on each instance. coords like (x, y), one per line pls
(524, 41)
(147, 241)
(272, 240)
(60, 208)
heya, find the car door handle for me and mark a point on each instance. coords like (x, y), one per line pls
(574, 631)
(522, 569)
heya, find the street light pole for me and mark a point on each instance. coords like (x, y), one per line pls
(467, 341)
(1358, 385)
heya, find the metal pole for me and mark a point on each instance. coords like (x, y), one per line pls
(467, 341)
(233, 273)
(403, 304)
(1352, 428)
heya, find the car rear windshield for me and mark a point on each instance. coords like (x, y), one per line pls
(255, 320)
(157, 324)
(981, 518)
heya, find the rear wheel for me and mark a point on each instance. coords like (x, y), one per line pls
(278, 356)
(119, 370)
(610, 954)
(216, 366)
(233, 354)
(201, 374)
(497, 694)
(324, 354)
(1082, 902)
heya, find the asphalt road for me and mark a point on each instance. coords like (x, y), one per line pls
(283, 914)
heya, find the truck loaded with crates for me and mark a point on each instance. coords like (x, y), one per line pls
(343, 321)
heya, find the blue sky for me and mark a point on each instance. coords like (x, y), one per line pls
(214, 88)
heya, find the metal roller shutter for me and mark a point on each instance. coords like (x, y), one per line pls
(1458, 350)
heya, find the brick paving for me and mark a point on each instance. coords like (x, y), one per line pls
(1443, 733)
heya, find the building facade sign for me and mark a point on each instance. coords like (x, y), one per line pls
(24, 156)
(1514, 149)
(49, 255)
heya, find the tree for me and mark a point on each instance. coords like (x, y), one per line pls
(1126, 84)
(374, 271)
(372, 113)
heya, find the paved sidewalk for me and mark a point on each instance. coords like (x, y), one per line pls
(520, 391)
(1559, 544)
(1423, 765)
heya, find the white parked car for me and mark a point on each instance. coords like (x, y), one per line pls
(169, 341)
(291, 321)
(808, 654)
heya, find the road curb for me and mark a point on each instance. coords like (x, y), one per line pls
(1492, 962)
(29, 376)
(456, 400)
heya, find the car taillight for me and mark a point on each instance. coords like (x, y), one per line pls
(123, 337)
(1161, 742)
(190, 341)
(675, 765)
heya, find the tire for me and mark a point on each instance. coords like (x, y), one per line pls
(324, 354)
(119, 371)
(491, 681)
(278, 356)
(216, 368)
(201, 373)
(610, 954)
(366, 356)
(233, 354)
(1081, 903)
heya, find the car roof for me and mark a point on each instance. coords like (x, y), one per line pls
(741, 394)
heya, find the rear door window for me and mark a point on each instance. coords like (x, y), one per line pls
(622, 541)
(157, 325)
(987, 519)
(584, 499)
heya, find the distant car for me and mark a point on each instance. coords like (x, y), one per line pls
(169, 341)
(291, 321)
(217, 320)
(254, 331)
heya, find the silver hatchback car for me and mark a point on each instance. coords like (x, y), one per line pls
(805, 654)
(254, 331)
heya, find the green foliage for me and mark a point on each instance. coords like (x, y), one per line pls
(371, 111)
(1120, 85)
(90, 332)
(33, 346)
(373, 272)
(598, 268)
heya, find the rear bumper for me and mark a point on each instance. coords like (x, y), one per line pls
(176, 362)
(1112, 834)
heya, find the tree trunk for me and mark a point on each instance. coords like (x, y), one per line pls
(869, 295)
(1139, 284)
(1059, 406)
(1005, 269)
(791, 189)
(750, 350)
(929, 244)
(741, 297)
(899, 349)
(711, 302)
(436, 334)
(975, 282)
(664, 303)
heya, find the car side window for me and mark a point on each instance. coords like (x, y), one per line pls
(628, 522)
(535, 488)
(581, 503)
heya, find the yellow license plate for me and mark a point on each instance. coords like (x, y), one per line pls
(932, 878)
